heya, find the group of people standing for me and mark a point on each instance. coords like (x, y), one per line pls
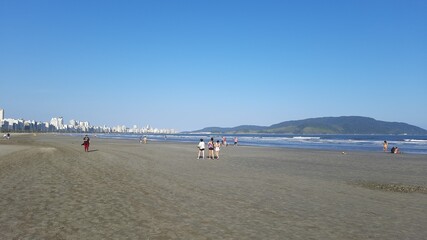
(213, 149)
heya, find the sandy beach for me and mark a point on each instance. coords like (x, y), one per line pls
(51, 189)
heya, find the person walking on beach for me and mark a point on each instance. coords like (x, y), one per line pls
(235, 141)
(86, 143)
(224, 141)
(201, 147)
(385, 146)
(217, 148)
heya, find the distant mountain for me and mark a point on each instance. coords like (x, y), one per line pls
(326, 125)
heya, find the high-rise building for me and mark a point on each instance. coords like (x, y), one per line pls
(58, 123)
(73, 123)
(1, 114)
(61, 123)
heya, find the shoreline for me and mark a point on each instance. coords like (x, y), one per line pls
(307, 146)
(273, 147)
(343, 142)
(121, 189)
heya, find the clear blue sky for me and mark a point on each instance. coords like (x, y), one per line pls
(193, 64)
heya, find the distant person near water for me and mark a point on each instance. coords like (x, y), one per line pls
(395, 150)
(7, 136)
(145, 139)
(86, 143)
(201, 147)
(224, 141)
(235, 141)
(385, 146)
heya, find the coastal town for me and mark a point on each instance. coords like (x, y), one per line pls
(57, 124)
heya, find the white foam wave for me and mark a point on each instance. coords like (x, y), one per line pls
(306, 138)
(416, 140)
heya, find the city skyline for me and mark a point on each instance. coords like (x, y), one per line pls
(187, 65)
(57, 124)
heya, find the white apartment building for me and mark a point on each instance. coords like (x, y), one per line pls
(58, 123)
(73, 123)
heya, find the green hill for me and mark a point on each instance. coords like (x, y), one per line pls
(327, 125)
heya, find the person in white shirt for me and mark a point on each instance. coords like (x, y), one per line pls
(201, 147)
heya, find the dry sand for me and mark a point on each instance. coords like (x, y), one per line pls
(51, 189)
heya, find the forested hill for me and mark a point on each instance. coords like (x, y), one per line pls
(326, 125)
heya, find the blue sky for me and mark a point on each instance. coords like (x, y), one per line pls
(194, 64)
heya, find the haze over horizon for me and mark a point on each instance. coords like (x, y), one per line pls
(188, 65)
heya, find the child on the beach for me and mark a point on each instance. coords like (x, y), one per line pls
(217, 148)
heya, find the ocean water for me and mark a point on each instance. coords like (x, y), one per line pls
(372, 143)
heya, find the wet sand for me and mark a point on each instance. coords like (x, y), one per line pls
(51, 189)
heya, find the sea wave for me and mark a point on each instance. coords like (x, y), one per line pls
(416, 140)
(306, 138)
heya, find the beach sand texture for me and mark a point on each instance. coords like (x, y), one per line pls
(51, 189)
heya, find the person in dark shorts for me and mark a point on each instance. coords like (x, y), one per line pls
(211, 149)
(201, 147)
